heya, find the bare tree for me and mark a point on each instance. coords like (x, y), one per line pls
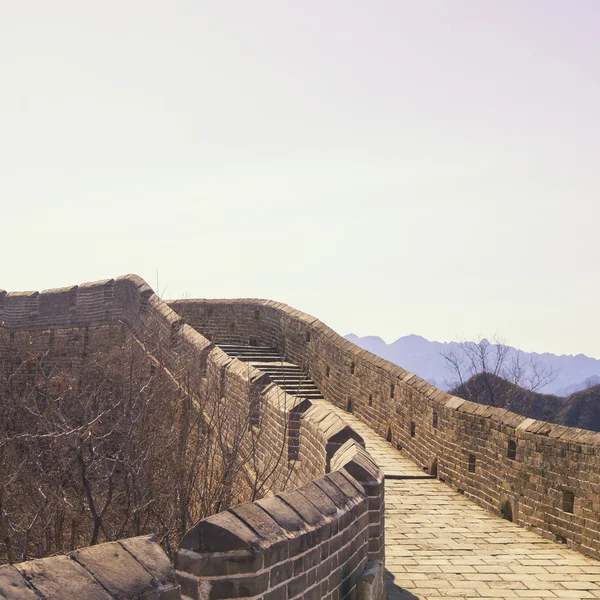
(495, 374)
(590, 382)
(124, 441)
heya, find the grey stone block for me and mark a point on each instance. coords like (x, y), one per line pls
(13, 585)
(61, 577)
(118, 571)
(371, 583)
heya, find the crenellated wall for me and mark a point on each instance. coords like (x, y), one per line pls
(543, 476)
(313, 540)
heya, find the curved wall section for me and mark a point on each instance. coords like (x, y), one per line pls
(537, 474)
(311, 542)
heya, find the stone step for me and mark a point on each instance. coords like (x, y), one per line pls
(280, 373)
(253, 359)
(303, 393)
(246, 347)
(252, 353)
(234, 348)
(289, 377)
(313, 393)
(284, 368)
(297, 379)
(298, 384)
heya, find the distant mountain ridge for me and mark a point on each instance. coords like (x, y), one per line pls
(587, 383)
(424, 358)
(581, 409)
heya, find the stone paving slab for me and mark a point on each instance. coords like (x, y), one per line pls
(441, 545)
(390, 461)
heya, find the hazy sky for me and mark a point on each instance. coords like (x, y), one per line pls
(392, 167)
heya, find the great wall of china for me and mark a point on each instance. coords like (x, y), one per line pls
(354, 421)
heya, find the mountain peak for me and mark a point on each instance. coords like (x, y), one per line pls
(422, 357)
(413, 337)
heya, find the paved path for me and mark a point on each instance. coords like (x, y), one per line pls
(439, 544)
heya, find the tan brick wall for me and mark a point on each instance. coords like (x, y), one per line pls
(550, 461)
(311, 542)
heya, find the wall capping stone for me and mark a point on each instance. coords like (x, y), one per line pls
(128, 569)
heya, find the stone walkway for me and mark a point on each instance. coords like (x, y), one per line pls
(439, 544)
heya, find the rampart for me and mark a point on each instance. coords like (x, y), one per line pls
(317, 536)
(129, 569)
(543, 476)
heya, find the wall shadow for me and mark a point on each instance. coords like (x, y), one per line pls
(394, 591)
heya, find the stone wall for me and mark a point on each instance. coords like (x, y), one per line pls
(310, 543)
(315, 541)
(540, 475)
(69, 345)
(291, 440)
(128, 569)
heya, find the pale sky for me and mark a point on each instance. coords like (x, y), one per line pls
(391, 167)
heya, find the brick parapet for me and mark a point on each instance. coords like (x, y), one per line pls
(312, 542)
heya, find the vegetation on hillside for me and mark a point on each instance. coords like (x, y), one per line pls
(111, 446)
(492, 374)
(581, 409)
